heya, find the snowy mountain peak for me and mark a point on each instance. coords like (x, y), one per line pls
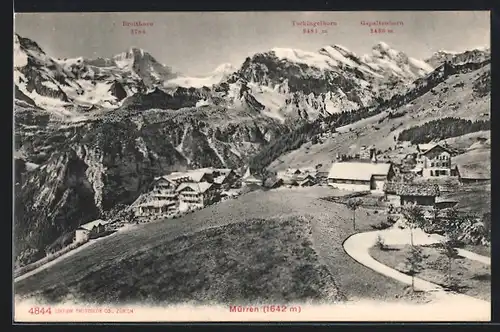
(220, 73)
(27, 44)
(343, 50)
(225, 68)
(383, 50)
(477, 54)
(382, 46)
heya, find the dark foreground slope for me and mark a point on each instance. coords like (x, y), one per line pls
(280, 245)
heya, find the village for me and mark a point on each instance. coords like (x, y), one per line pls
(420, 178)
(356, 198)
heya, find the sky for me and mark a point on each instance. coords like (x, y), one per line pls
(195, 43)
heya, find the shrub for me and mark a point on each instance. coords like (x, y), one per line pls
(379, 243)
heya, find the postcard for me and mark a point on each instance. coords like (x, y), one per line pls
(252, 166)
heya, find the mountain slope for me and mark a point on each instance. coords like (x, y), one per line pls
(476, 55)
(449, 91)
(111, 160)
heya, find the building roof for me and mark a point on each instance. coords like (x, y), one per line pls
(348, 170)
(307, 180)
(425, 148)
(197, 187)
(297, 171)
(445, 200)
(252, 179)
(88, 226)
(163, 177)
(195, 175)
(271, 182)
(176, 175)
(220, 179)
(474, 173)
(247, 173)
(249, 177)
(411, 189)
(225, 171)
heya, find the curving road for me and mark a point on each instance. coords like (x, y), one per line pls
(357, 246)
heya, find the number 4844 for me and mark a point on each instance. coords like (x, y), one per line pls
(40, 311)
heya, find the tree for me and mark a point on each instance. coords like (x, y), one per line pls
(353, 205)
(451, 253)
(414, 217)
(414, 263)
(487, 225)
(452, 225)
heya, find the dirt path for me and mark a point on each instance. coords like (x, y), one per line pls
(357, 247)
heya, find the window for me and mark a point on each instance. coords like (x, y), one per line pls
(432, 173)
(432, 164)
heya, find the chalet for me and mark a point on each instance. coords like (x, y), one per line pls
(272, 183)
(228, 194)
(229, 175)
(224, 179)
(163, 188)
(288, 172)
(467, 175)
(434, 160)
(360, 175)
(156, 208)
(367, 152)
(322, 177)
(445, 203)
(295, 176)
(90, 230)
(197, 175)
(196, 195)
(401, 193)
(307, 182)
(249, 179)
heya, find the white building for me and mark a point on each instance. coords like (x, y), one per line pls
(360, 175)
(434, 160)
(156, 208)
(196, 195)
(164, 189)
(249, 179)
(90, 230)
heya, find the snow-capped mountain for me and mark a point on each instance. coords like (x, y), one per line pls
(289, 83)
(220, 74)
(476, 55)
(283, 83)
(78, 84)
